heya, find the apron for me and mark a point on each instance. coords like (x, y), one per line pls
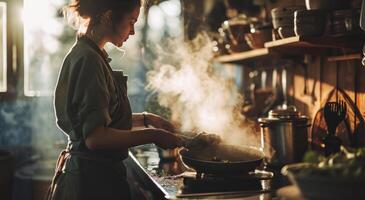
(84, 174)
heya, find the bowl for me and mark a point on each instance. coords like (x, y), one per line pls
(341, 14)
(324, 187)
(284, 12)
(286, 31)
(279, 22)
(284, 16)
(309, 29)
(310, 14)
(310, 22)
(345, 22)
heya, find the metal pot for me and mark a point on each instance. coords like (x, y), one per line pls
(284, 133)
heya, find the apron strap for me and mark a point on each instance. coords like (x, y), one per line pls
(64, 155)
(58, 170)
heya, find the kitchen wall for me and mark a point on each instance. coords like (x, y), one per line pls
(322, 79)
(323, 76)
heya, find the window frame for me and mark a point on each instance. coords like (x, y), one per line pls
(13, 49)
(4, 87)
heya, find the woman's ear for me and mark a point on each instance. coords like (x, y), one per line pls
(106, 18)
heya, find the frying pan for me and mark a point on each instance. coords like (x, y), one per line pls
(222, 159)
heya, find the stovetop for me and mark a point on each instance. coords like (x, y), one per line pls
(255, 182)
(177, 181)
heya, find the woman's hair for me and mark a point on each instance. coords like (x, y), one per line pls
(92, 10)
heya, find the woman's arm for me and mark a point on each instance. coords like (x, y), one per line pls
(150, 119)
(104, 138)
(138, 120)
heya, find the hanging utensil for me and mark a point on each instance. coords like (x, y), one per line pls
(362, 26)
(334, 114)
(284, 83)
(362, 16)
(274, 99)
(263, 79)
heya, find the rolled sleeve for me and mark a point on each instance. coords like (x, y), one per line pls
(95, 118)
(91, 95)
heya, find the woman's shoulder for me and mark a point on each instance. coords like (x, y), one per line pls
(82, 57)
(81, 51)
(82, 60)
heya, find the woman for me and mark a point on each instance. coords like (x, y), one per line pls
(92, 108)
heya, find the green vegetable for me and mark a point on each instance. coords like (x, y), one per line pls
(346, 163)
(313, 157)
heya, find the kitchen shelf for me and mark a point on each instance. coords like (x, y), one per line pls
(356, 56)
(244, 56)
(299, 45)
(343, 42)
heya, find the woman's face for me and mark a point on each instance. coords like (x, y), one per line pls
(124, 28)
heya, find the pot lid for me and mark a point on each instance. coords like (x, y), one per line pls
(284, 112)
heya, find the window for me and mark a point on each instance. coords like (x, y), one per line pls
(3, 48)
(47, 38)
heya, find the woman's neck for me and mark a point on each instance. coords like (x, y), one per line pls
(96, 36)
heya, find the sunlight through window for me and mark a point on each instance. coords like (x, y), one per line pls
(3, 54)
(43, 45)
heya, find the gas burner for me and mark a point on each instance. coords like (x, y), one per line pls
(258, 181)
(254, 175)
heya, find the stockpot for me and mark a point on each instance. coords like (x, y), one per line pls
(284, 135)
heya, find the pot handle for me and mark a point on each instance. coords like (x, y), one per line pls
(264, 124)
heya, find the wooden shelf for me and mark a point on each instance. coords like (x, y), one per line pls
(344, 42)
(244, 56)
(299, 45)
(356, 56)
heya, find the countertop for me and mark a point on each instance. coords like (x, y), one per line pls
(165, 179)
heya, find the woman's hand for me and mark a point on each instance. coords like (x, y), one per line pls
(160, 123)
(167, 140)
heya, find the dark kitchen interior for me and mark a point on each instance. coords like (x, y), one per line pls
(280, 82)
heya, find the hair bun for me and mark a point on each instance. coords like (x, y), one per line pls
(89, 8)
(93, 9)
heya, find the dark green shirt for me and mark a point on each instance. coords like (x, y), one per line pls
(89, 94)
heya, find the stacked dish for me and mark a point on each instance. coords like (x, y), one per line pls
(345, 22)
(283, 20)
(310, 22)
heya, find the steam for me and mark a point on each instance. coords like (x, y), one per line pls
(31, 124)
(198, 97)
